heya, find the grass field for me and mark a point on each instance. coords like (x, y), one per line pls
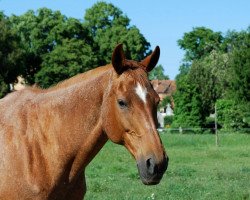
(197, 170)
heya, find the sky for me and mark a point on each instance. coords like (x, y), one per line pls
(162, 22)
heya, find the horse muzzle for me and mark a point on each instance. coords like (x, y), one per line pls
(150, 171)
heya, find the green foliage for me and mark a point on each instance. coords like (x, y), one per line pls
(35, 30)
(41, 33)
(73, 56)
(215, 67)
(210, 76)
(167, 100)
(203, 78)
(158, 74)
(103, 16)
(233, 111)
(109, 27)
(168, 120)
(187, 102)
(198, 88)
(11, 62)
(4, 88)
(240, 68)
(57, 47)
(200, 42)
(232, 115)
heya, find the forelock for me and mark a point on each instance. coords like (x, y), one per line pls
(137, 75)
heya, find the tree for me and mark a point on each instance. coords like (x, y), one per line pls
(158, 74)
(44, 31)
(4, 88)
(240, 68)
(210, 76)
(233, 115)
(108, 27)
(35, 30)
(187, 101)
(73, 56)
(200, 42)
(199, 85)
(238, 114)
(216, 69)
(11, 62)
(205, 81)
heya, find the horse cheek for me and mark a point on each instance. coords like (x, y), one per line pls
(112, 127)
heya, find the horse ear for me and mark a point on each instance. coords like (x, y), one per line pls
(150, 61)
(118, 59)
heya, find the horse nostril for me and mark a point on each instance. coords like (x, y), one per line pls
(151, 166)
(148, 162)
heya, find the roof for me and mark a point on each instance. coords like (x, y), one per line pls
(164, 86)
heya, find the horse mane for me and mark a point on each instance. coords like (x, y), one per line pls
(90, 75)
(134, 70)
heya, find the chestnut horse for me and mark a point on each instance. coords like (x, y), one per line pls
(48, 137)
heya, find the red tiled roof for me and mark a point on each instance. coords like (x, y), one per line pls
(164, 86)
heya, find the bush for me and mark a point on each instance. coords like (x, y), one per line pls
(233, 115)
(168, 120)
(4, 88)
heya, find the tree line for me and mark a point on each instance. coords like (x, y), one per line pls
(215, 73)
(45, 46)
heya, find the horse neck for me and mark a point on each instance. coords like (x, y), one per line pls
(74, 110)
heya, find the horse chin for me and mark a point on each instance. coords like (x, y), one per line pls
(150, 181)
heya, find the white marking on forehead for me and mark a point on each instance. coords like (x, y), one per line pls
(141, 92)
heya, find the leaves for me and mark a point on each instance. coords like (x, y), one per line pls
(41, 32)
(240, 68)
(214, 68)
(66, 60)
(11, 55)
(108, 27)
(55, 47)
(200, 42)
(158, 74)
(10, 52)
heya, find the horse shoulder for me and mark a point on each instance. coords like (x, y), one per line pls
(21, 152)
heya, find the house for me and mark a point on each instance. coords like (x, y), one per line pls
(20, 85)
(164, 88)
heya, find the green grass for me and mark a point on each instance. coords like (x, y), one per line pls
(197, 170)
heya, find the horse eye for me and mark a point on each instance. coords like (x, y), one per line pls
(122, 103)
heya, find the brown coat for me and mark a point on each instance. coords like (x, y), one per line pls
(48, 137)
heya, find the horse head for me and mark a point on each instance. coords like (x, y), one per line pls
(130, 114)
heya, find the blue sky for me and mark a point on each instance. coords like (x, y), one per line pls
(162, 22)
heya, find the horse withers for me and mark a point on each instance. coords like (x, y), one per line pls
(48, 137)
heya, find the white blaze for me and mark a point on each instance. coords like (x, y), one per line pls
(141, 92)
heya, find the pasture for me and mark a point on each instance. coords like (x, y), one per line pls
(197, 170)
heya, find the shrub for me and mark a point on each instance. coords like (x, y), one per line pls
(233, 115)
(168, 120)
(4, 88)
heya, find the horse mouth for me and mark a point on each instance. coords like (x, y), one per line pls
(150, 181)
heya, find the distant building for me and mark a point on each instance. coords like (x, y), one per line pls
(20, 85)
(165, 88)
(168, 110)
